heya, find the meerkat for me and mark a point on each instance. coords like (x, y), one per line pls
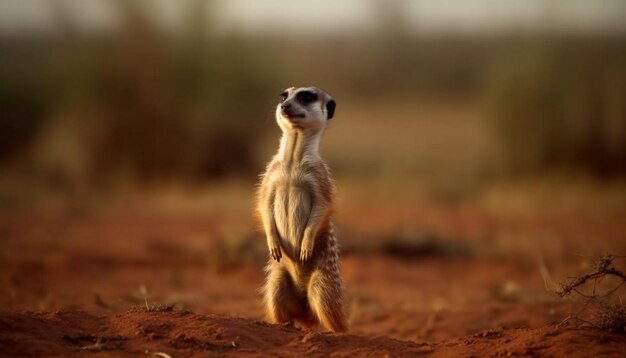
(295, 204)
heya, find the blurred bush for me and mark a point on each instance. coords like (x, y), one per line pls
(84, 110)
(561, 105)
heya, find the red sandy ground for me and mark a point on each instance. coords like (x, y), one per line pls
(69, 282)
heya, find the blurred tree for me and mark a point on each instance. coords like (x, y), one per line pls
(562, 105)
(141, 103)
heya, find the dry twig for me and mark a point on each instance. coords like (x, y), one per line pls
(605, 314)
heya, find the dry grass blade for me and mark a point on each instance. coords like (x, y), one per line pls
(159, 354)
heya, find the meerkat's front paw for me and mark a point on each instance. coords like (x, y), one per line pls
(306, 249)
(275, 251)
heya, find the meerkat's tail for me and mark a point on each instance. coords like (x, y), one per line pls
(326, 290)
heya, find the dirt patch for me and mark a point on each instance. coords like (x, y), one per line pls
(85, 283)
(185, 334)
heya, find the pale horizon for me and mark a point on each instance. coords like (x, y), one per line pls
(326, 17)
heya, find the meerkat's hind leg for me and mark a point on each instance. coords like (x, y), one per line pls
(326, 300)
(281, 300)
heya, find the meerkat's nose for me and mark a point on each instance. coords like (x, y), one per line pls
(285, 106)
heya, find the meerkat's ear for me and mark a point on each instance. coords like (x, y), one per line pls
(330, 108)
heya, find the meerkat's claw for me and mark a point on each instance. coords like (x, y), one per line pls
(306, 249)
(275, 253)
(305, 254)
(274, 246)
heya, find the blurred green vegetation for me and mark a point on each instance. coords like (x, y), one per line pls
(137, 105)
(140, 105)
(561, 105)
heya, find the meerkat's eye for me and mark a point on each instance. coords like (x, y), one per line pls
(307, 97)
(283, 96)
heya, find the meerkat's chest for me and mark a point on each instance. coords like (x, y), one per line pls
(292, 206)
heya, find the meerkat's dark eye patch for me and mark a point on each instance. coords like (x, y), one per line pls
(283, 96)
(330, 108)
(306, 97)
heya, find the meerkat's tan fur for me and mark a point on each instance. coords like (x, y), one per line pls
(295, 205)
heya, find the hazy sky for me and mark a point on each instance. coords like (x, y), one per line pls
(427, 15)
(332, 16)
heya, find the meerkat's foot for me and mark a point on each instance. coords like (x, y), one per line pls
(290, 324)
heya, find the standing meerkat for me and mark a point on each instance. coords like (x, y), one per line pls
(295, 205)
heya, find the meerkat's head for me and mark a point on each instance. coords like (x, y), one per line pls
(304, 108)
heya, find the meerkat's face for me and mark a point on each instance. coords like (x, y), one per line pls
(305, 108)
